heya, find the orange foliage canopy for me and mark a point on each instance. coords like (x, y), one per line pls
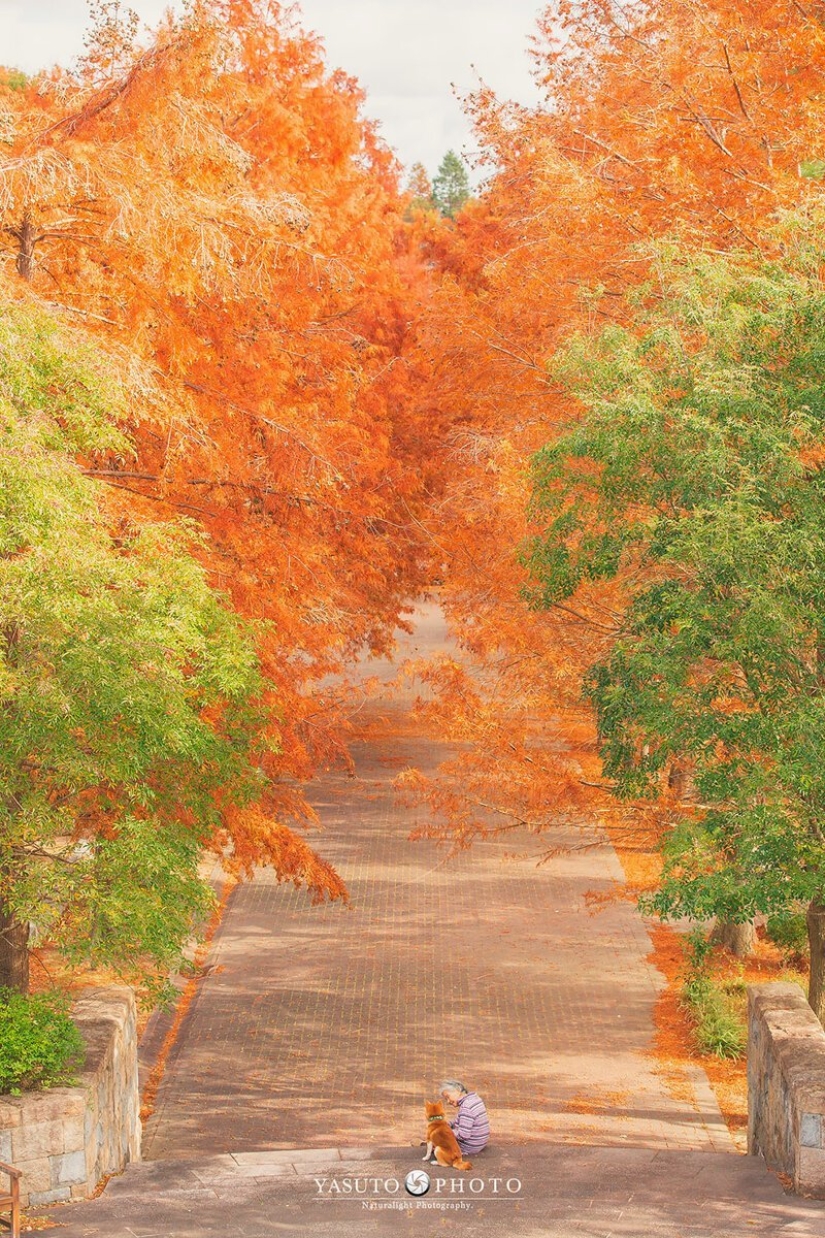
(217, 210)
(343, 397)
(700, 120)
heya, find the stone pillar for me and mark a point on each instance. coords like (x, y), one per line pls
(786, 1085)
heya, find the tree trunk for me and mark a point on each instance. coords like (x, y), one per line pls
(14, 953)
(738, 938)
(816, 937)
(25, 253)
(680, 781)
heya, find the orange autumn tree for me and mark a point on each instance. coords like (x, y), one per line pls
(699, 120)
(133, 708)
(215, 207)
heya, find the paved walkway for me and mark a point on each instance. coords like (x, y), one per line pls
(326, 1027)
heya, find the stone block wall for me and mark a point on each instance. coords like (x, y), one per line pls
(786, 1085)
(66, 1139)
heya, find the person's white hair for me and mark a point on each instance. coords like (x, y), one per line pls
(451, 1085)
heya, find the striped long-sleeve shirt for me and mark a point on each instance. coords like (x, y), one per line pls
(472, 1126)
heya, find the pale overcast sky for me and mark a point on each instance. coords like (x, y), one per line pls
(405, 53)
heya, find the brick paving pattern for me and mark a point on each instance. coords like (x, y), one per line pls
(328, 1026)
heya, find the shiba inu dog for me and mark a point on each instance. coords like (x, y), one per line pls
(442, 1144)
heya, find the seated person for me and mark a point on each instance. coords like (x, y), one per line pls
(472, 1125)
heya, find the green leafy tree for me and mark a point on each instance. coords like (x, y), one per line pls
(130, 696)
(696, 481)
(451, 185)
(12, 79)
